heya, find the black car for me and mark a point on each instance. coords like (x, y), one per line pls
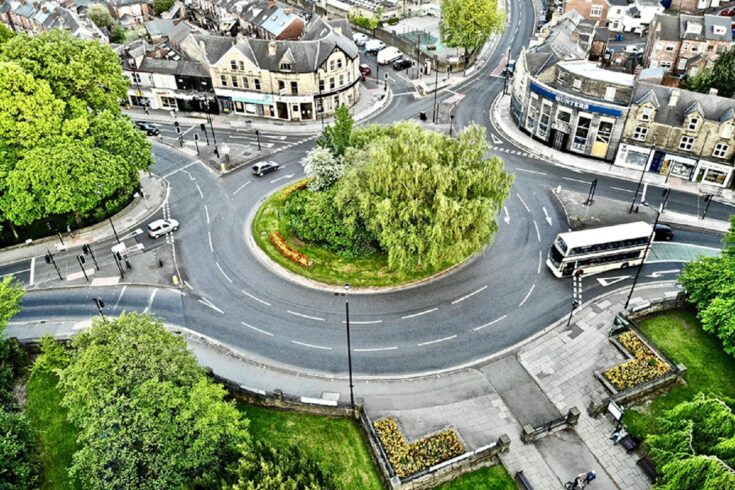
(149, 129)
(266, 167)
(663, 233)
(402, 64)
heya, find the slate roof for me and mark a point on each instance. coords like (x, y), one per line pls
(559, 45)
(179, 32)
(712, 107)
(159, 27)
(171, 67)
(674, 28)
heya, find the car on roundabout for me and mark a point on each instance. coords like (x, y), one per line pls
(161, 227)
(265, 167)
(149, 128)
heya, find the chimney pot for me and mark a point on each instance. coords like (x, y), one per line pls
(713, 91)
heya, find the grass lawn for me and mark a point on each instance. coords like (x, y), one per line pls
(490, 478)
(57, 435)
(680, 337)
(328, 267)
(336, 444)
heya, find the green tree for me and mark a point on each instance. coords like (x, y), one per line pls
(430, 200)
(19, 463)
(160, 6)
(99, 14)
(468, 23)
(5, 33)
(721, 76)
(718, 318)
(322, 168)
(148, 416)
(11, 292)
(337, 138)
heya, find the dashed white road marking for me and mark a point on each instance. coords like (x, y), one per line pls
(310, 345)
(150, 301)
(253, 297)
(527, 295)
(530, 171)
(211, 247)
(119, 298)
(257, 329)
(209, 304)
(490, 323)
(420, 313)
(621, 189)
(180, 170)
(540, 260)
(206, 212)
(469, 295)
(436, 341)
(306, 316)
(370, 322)
(576, 180)
(377, 349)
(223, 272)
(200, 191)
(241, 187)
(538, 235)
(523, 202)
(33, 271)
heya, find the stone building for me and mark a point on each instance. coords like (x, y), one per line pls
(680, 134)
(130, 12)
(35, 17)
(684, 44)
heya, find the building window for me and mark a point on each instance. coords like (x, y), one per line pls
(686, 143)
(665, 65)
(646, 114)
(223, 80)
(720, 150)
(321, 85)
(168, 102)
(331, 65)
(339, 63)
(596, 11)
(532, 114)
(694, 48)
(693, 123)
(564, 116)
(245, 83)
(294, 88)
(136, 77)
(233, 64)
(256, 83)
(543, 123)
(341, 80)
(331, 83)
(336, 101)
(610, 93)
(604, 132)
(285, 66)
(281, 86)
(234, 81)
(669, 49)
(726, 131)
(577, 83)
(241, 65)
(582, 133)
(640, 133)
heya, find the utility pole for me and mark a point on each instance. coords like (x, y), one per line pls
(87, 249)
(436, 85)
(50, 260)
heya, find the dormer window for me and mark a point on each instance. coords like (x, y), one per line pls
(285, 66)
(727, 131)
(693, 123)
(646, 114)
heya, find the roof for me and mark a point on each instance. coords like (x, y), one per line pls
(627, 231)
(712, 107)
(588, 69)
(171, 67)
(567, 38)
(279, 20)
(650, 97)
(694, 27)
(159, 27)
(179, 32)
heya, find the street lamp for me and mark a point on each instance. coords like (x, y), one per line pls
(349, 343)
(206, 103)
(645, 253)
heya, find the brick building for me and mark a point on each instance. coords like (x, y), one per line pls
(592, 10)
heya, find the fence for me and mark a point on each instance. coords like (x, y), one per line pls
(533, 433)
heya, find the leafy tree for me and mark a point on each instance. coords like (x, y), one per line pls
(430, 200)
(19, 463)
(718, 318)
(99, 14)
(721, 76)
(148, 416)
(468, 23)
(322, 168)
(5, 33)
(160, 6)
(11, 292)
(337, 138)
(268, 468)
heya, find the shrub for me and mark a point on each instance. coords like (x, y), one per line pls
(365, 22)
(285, 249)
(644, 366)
(407, 458)
(19, 463)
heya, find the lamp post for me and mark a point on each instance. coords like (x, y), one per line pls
(206, 103)
(349, 342)
(643, 173)
(436, 85)
(645, 254)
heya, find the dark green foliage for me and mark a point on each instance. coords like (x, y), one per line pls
(337, 138)
(721, 76)
(267, 468)
(19, 463)
(314, 219)
(365, 22)
(160, 6)
(13, 360)
(5, 33)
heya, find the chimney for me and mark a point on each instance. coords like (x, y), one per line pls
(713, 91)
(202, 47)
(674, 97)
(35, 5)
(338, 29)
(44, 9)
(272, 46)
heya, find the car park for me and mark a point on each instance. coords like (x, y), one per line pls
(149, 129)
(373, 46)
(160, 227)
(663, 232)
(402, 64)
(359, 38)
(266, 167)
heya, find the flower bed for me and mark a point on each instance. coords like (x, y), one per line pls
(285, 249)
(285, 193)
(408, 459)
(645, 365)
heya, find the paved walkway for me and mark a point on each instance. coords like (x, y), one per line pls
(503, 122)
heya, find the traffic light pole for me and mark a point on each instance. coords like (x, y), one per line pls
(50, 260)
(80, 259)
(87, 249)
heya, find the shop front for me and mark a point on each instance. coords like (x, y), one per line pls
(713, 173)
(677, 166)
(246, 103)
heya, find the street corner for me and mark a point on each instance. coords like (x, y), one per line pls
(584, 210)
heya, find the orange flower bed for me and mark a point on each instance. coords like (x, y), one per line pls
(285, 249)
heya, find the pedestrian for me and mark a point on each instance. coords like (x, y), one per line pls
(618, 435)
(589, 477)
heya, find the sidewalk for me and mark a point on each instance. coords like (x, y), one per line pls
(503, 122)
(155, 190)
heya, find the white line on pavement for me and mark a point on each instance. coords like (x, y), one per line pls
(209, 234)
(241, 188)
(206, 211)
(150, 301)
(310, 345)
(185, 132)
(436, 341)
(223, 272)
(119, 298)
(256, 299)
(377, 349)
(469, 295)
(191, 177)
(200, 191)
(14, 272)
(538, 235)
(371, 322)
(257, 329)
(209, 304)
(180, 170)
(576, 180)
(419, 314)
(540, 260)
(491, 323)
(527, 295)
(306, 316)
(530, 171)
(621, 189)
(33, 271)
(523, 202)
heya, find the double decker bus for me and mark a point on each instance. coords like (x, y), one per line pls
(599, 249)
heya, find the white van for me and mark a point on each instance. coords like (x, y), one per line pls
(388, 55)
(374, 45)
(431, 9)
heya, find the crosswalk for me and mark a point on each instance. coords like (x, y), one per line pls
(511, 151)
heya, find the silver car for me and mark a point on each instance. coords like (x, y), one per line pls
(162, 226)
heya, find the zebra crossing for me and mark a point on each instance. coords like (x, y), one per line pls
(511, 151)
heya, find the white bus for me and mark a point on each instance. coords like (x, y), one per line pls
(599, 249)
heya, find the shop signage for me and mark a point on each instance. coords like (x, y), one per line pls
(568, 101)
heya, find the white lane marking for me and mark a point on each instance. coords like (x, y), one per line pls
(180, 170)
(241, 187)
(546, 215)
(540, 259)
(436, 341)
(191, 177)
(119, 298)
(310, 345)
(491, 323)
(306, 316)
(538, 235)
(200, 191)
(496, 140)
(507, 216)
(16, 272)
(188, 285)
(209, 234)
(377, 349)
(419, 314)
(606, 281)
(33, 271)
(223, 272)
(621, 189)
(253, 297)
(576, 180)
(281, 178)
(530, 171)
(469, 295)
(209, 304)
(206, 211)
(185, 132)
(257, 329)
(371, 322)
(527, 296)
(658, 274)
(150, 301)
(523, 202)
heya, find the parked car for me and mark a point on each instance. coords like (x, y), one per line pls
(663, 233)
(389, 55)
(632, 49)
(149, 129)
(728, 12)
(160, 227)
(266, 167)
(365, 70)
(359, 38)
(373, 46)
(402, 64)
(431, 9)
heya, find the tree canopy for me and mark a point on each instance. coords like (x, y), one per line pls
(468, 23)
(336, 138)
(99, 14)
(11, 292)
(160, 6)
(19, 461)
(721, 76)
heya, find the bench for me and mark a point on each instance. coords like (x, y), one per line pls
(523, 481)
(648, 468)
(628, 443)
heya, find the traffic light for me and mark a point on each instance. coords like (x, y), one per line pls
(118, 255)
(81, 258)
(203, 127)
(48, 258)
(85, 249)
